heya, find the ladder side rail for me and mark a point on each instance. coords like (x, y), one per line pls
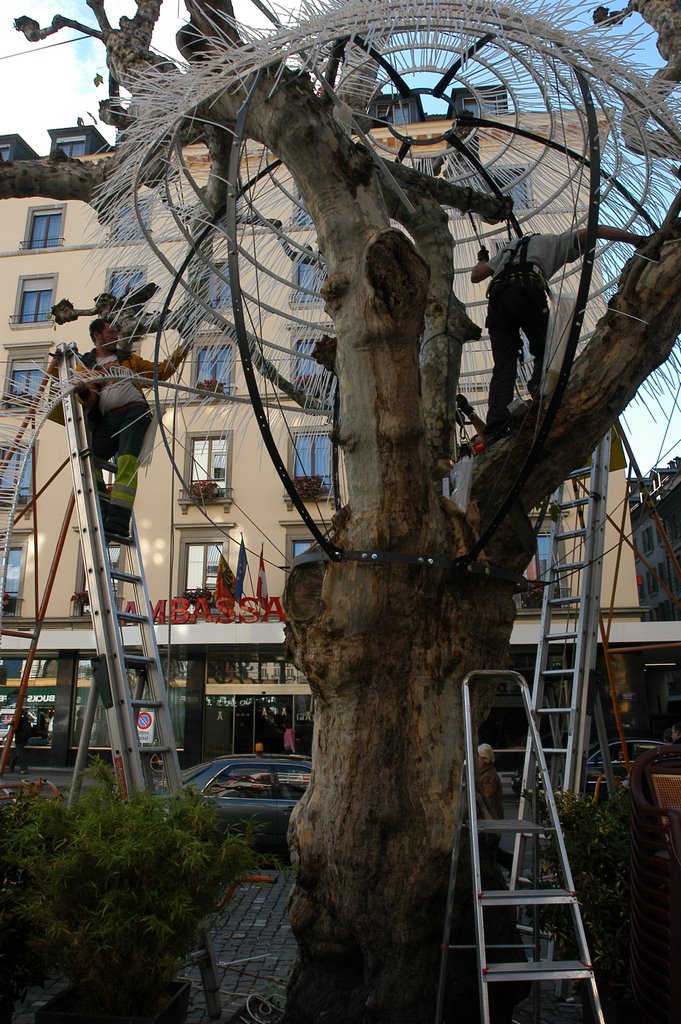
(108, 640)
(588, 626)
(156, 683)
(471, 760)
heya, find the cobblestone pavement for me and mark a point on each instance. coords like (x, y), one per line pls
(255, 949)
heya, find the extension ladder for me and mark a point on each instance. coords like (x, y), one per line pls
(558, 892)
(566, 654)
(130, 685)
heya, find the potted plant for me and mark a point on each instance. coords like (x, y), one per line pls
(309, 487)
(119, 887)
(211, 384)
(204, 490)
(596, 838)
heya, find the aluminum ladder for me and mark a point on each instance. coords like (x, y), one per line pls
(537, 968)
(130, 685)
(560, 690)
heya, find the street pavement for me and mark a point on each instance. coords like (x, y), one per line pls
(254, 949)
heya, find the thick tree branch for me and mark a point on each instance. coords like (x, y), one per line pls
(34, 33)
(58, 177)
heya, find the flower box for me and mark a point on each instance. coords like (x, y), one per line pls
(211, 384)
(310, 487)
(203, 490)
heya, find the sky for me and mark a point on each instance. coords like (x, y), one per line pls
(53, 85)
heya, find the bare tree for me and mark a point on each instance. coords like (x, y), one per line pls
(385, 643)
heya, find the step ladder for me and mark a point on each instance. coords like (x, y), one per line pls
(129, 684)
(566, 653)
(532, 966)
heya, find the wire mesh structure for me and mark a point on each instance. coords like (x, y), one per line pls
(481, 96)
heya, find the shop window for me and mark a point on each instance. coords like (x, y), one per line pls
(15, 475)
(312, 457)
(34, 300)
(214, 367)
(24, 380)
(44, 229)
(122, 282)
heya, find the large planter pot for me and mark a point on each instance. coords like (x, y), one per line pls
(64, 1009)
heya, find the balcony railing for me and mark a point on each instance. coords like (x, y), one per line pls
(42, 243)
(36, 317)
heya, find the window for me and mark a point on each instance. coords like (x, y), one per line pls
(392, 110)
(293, 781)
(123, 282)
(308, 280)
(301, 217)
(312, 456)
(304, 366)
(11, 599)
(74, 146)
(24, 380)
(44, 229)
(214, 367)
(507, 179)
(125, 227)
(202, 566)
(12, 477)
(242, 781)
(209, 459)
(297, 546)
(647, 540)
(219, 291)
(34, 301)
(4, 153)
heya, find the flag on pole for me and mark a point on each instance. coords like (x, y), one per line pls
(241, 567)
(224, 584)
(262, 581)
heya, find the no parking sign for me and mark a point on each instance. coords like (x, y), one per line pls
(146, 728)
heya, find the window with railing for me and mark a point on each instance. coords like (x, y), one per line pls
(16, 474)
(34, 300)
(214, 365)
(11, 599)
(207, 472)
(44, 229)
(311, 463)
(201, 567)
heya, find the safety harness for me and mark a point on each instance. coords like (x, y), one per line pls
(519, 268)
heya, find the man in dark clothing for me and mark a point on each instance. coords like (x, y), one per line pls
(119, 414)
(676, 733)
(518, 301)
(22, 735)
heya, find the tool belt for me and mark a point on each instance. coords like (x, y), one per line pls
(531, 274)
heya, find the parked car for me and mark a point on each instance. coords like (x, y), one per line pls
(594, 763)
(262, 788)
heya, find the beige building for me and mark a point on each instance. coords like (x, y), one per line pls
(223, 487)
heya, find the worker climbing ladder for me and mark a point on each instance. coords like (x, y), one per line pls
(524, 960)
(130, 685)
(566, 655)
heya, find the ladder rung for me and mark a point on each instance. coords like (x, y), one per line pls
(568, 567)
(512, 825)
(138, 659)
(555, 750)
(138, 702)
(150, 749)
(558, 601)
(554, 711)
(570, 634)
(572, 534)
(131, 617)
(538, 970)
(525, 897)
(125, 577)
(573, 503)
(558, 671)
(577, 473)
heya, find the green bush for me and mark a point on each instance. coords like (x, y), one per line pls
(597, 842)
(115, 889)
